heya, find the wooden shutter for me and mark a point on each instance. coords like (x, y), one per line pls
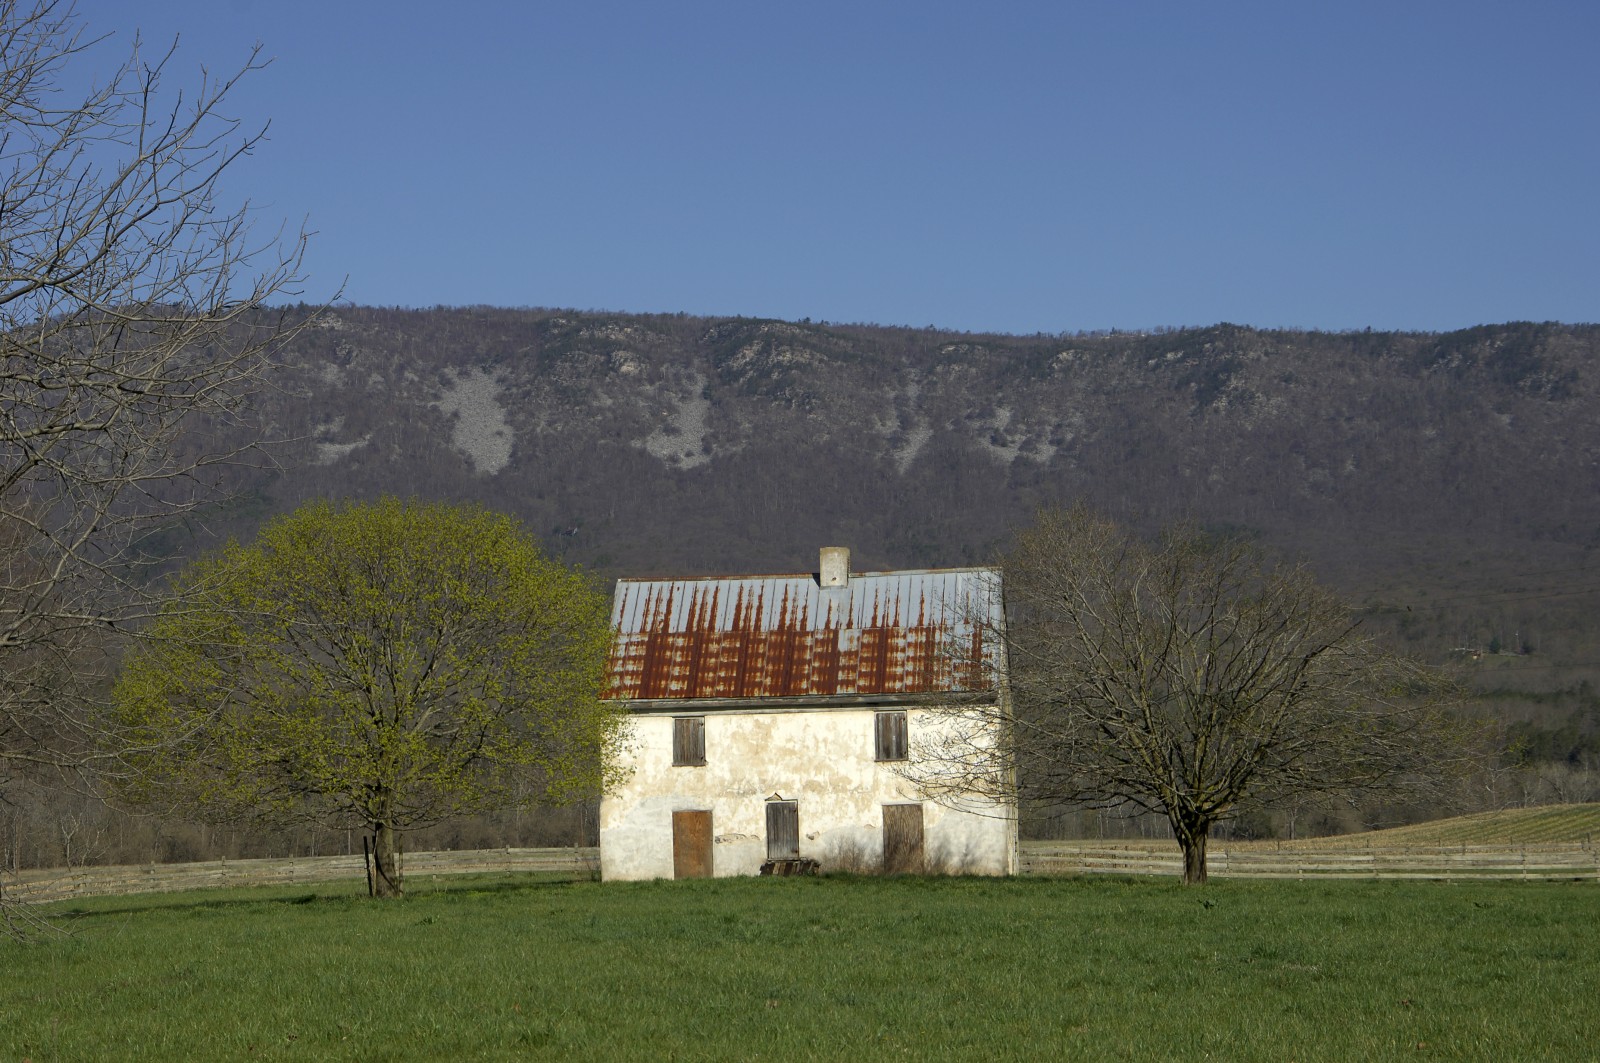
(689, 741)
(691, 844)
(889, 730)
(902, 839)
(783, 830)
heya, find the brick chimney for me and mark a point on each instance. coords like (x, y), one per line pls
(834, 568)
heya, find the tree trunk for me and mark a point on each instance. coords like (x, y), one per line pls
(385, 861)
(1194, 859)
(1192, 836)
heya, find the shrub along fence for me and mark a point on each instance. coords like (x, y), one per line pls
(1576, 860)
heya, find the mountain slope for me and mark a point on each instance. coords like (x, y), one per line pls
(1448, 483)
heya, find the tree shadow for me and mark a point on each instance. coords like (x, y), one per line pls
(351, 894)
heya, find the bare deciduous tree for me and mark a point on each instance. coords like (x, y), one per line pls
(132, 324)
(1190, 677)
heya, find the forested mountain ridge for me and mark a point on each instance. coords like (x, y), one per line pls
(1446, 480)
(1449, 484)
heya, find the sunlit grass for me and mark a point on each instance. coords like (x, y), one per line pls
(835, 968)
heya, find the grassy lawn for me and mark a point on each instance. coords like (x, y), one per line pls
(834, 968)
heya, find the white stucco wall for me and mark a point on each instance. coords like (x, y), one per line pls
(822, 759)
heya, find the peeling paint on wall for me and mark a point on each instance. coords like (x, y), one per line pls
(824, 761)
(798, 685)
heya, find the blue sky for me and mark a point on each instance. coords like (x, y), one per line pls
(1000, 167)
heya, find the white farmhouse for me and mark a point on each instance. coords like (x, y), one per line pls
(777, 719)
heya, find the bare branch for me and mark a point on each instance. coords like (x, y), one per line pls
(133, 325)
(1190, 677)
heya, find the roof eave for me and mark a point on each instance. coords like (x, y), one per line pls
(803, 702)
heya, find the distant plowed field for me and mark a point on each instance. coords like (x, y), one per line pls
(1514, 826)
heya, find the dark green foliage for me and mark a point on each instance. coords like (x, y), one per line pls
(1575, 741)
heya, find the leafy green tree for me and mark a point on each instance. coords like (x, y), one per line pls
(376, 665)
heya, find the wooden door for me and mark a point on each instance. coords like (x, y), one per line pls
(783, 830)
(902, 839)
(691, 844)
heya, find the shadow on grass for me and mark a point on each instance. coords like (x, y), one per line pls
(351, 893)
(344, 892)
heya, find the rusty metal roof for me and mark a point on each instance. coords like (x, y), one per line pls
(744, 637)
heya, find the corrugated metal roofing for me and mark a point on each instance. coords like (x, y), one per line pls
(884, 633)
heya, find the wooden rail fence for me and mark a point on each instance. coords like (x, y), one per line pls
(57, 884)
(1546, 861)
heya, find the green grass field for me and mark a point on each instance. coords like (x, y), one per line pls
(830, 968)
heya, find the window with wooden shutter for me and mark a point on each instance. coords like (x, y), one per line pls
(890, 731)
(689, 741)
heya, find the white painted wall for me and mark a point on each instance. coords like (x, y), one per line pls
(820, 758)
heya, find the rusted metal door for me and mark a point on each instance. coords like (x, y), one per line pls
(783, 830)
(902, 839)
(691, 844)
